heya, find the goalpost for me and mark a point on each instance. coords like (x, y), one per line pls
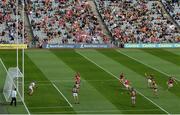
(15, 75)
(10, 82)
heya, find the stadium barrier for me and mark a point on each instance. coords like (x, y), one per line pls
(77, 46)
(13, 46)
(170, 45)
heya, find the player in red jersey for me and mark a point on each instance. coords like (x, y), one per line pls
(77, 78)
(127, 84)
(121, 78)
(133, 96)
(170, 82)
(77, 81)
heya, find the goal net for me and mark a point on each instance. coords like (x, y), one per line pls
(13, 78)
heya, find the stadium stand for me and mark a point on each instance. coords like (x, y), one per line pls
(8, 22)
(62, 22)
(173, 7)
(73, 21)
(137, 21)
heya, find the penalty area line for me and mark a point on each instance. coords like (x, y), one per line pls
(118, 79)
(62, 94)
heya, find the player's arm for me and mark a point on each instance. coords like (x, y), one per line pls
(145, 74)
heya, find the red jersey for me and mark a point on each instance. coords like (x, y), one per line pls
(77, 79)
(170, 81)
(126, 82)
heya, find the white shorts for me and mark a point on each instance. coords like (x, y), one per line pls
(149, 81)
(155, 90)
(33, 84)
(31, 88)
(75, 94)
(170, 85)
(133, 98)
(77, 85)
(127, 86)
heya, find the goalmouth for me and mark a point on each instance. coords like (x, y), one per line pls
(11, 78)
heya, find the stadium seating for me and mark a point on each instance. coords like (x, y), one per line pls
(73, 21)
(137, 21)
(8, 17)
(62, 21)
(173, 9)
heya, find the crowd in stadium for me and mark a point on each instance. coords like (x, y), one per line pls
(172, 7)
(73, 21)
(140, 21)
(63, 21)
(11, 23)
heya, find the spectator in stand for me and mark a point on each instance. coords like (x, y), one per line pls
(11, 28)
(173, 7)
(137, 21)
(62, 21)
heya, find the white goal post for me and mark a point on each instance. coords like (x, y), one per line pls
(11, 80)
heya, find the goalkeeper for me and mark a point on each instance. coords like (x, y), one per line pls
(32, 86)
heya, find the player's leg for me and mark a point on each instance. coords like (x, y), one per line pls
(133, 101)
(15, 101)
(74, 96)
(170, 86)
(11, 101)
(155, 92)
(31, 91)
(149, 83)
(127, 87)
(77, 98)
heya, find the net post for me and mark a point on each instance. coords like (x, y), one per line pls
(23, 30)
(17, 53)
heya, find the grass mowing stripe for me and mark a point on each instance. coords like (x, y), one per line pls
(174, 50)
(135, 74)
(167, 75)
(44, 107)
(81, 65)
(17, 92)
(164, 54)
(62, 95)
(118, 79)
(105, 111)
(111, 90)
(56, 81)
(154, 61)
(141, 69)
(55, 70)
(50, 98)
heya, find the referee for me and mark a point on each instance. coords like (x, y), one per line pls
(13, 97)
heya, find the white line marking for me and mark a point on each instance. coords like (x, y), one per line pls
(18, 92)
(62, 94)
(146, 64)
(118, 79)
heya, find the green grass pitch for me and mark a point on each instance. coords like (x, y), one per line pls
(101, 92)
